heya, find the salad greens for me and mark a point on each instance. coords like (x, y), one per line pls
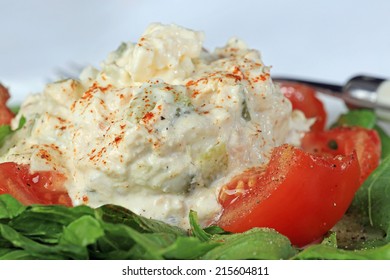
(6, 131)
(362, 117)
(113, 232)
(372, 200)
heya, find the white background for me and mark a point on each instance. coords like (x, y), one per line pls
(277, 269)
(330, 40)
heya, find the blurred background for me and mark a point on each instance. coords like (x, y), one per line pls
(325, 40)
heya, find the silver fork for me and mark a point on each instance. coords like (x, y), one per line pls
(70, 71)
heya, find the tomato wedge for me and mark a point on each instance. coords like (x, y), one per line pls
(43, 187)
(298, 194)
(304, 98)
(5, 113)
(344, 140)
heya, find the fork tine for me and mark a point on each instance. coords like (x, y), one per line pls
(319, 85)
(71, 71)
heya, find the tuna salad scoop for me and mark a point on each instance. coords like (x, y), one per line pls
(159, 127)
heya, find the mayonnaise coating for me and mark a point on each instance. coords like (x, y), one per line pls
(160, 127)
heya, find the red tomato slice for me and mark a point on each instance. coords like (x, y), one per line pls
(298, 194)
(5, 113)
(43, 187)
(344, 140)
(304, 98)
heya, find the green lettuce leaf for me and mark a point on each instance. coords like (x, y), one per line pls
(326, 252)
(6, 131)
(360, 117)
(372, 200)
(113, 232)
(257, 243)
(117, 214)
(10, 207)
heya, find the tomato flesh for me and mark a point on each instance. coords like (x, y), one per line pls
(43, 187)
(344, 140)
(303, 98)
(298, 194)
(5, 113)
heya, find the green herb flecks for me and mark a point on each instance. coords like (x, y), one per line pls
(332, 144)
(245, 111)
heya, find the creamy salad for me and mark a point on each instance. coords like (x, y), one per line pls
(160, 127)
